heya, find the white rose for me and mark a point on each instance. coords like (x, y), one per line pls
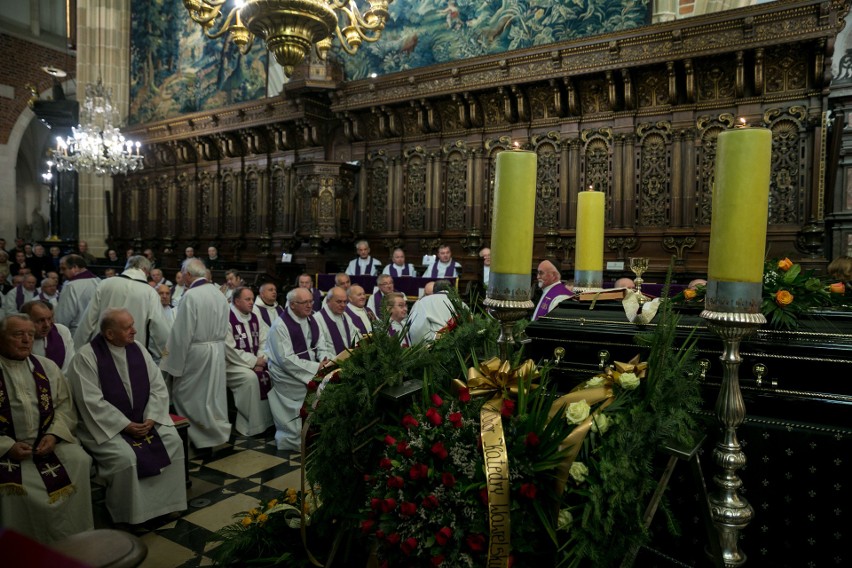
(594, 382)
(564, 520)
(600, 423)
(629, 381)
(578, 471)
(577, 412)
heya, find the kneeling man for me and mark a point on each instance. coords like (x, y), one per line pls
(125, 423)
(44, 473)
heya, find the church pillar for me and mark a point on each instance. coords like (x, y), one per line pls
(675, 208)
(629, 218)
(619, 180)
(103, 50)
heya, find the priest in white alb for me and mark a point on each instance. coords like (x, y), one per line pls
(357, 309)
(444, 266)
(125, 425)
(339, 330)
(430, 313)
(20, 295)
(266, 305)
(44, 472)
(195, 358)
(398, 267)
(553, 290)
(297, 351)
(77, 291)
(245, 365)
(52, 340)
(363, 264)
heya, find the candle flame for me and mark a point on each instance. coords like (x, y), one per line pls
(591, 187)
(742, 122)
(516, 145)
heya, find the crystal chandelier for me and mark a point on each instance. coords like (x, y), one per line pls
(96, 145)
(291, 27)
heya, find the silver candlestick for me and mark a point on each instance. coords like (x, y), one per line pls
(508, 300)
(733, 313)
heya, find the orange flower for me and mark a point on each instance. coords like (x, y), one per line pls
(837, 288)
(785, 264)
(689, 294)
(783, 298)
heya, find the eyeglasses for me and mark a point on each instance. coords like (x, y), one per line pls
(303, 303)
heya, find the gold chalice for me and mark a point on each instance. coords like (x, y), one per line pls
(638, 266)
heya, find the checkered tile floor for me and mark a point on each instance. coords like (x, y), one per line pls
(228, 481)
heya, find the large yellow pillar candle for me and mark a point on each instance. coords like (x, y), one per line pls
(740, 205)
(588, 252)
(514, 213)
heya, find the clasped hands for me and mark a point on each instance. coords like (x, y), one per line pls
(22, 451)
(139, 429)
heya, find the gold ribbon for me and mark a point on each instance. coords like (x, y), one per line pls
(496, 378)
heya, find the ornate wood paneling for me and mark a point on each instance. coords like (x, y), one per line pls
(456, 184)
(597, 164)
(787, 184)
(414, 189)
(377, 191)
(547, 149)
(654, 189)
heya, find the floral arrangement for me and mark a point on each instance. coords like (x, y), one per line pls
(267, 535)
(789, 292)
(691, 296)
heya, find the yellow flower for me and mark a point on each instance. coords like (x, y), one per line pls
(785, 264)
(246, 521)
(253, 512)
(292, 494)
(262, 518)
(272, 503)
(783, 298)
(689, 294)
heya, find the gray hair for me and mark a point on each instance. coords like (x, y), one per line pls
(139, 262)
(352, 289)
(291, 295)
(4, 323)
(27, 308)
(108, 317)
(362, 242)
(194, 267)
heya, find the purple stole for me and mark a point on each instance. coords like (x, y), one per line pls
(405, 342)
(395, 272)
(53, 474)
(151, 454)
(370, 265)
(238, 328)
(558, 289)
(356, 319)
(54, 347)
(85, 275)
(450, 272)
(317, 299)
(196, 284)
(44, 298)
(264, 313)
(339, 344)
(377, 303)
(19, 296)
(297, 338)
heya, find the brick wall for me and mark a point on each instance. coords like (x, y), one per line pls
(20, 65)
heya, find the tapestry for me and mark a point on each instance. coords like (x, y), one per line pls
(175, 70)
(426, 32)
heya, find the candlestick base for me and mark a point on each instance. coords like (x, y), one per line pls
(508, 300)
(730, 511)
(734, 298)
(588, 279)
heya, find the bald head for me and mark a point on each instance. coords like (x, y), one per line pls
(357, 296)
(336, 300)
(547, 274)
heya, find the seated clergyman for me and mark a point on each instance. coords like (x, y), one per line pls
(44, 473)
(125, 423)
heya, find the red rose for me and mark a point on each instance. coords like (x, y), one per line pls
(476, 542)
(313, 385)
(407, 509)
(437, 560)
(451, 324)
(447, 479)
(367, 526)
(396, 482)
(393, 539)
(433, 416)
(409, 421)
(402, 448)
(335, 378)
(439, 450)
(508, 408)
(528, 490)
(385, 463)
(437, 400)
(483, 496)
(390, 440)
(455, 419)
(531, 440)
(408, 546)
(464, 394)
(375, 503)
(303, 413)
(444, 535)
(419, 471)
(388, 505)
(380, 534)
(430, 502)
